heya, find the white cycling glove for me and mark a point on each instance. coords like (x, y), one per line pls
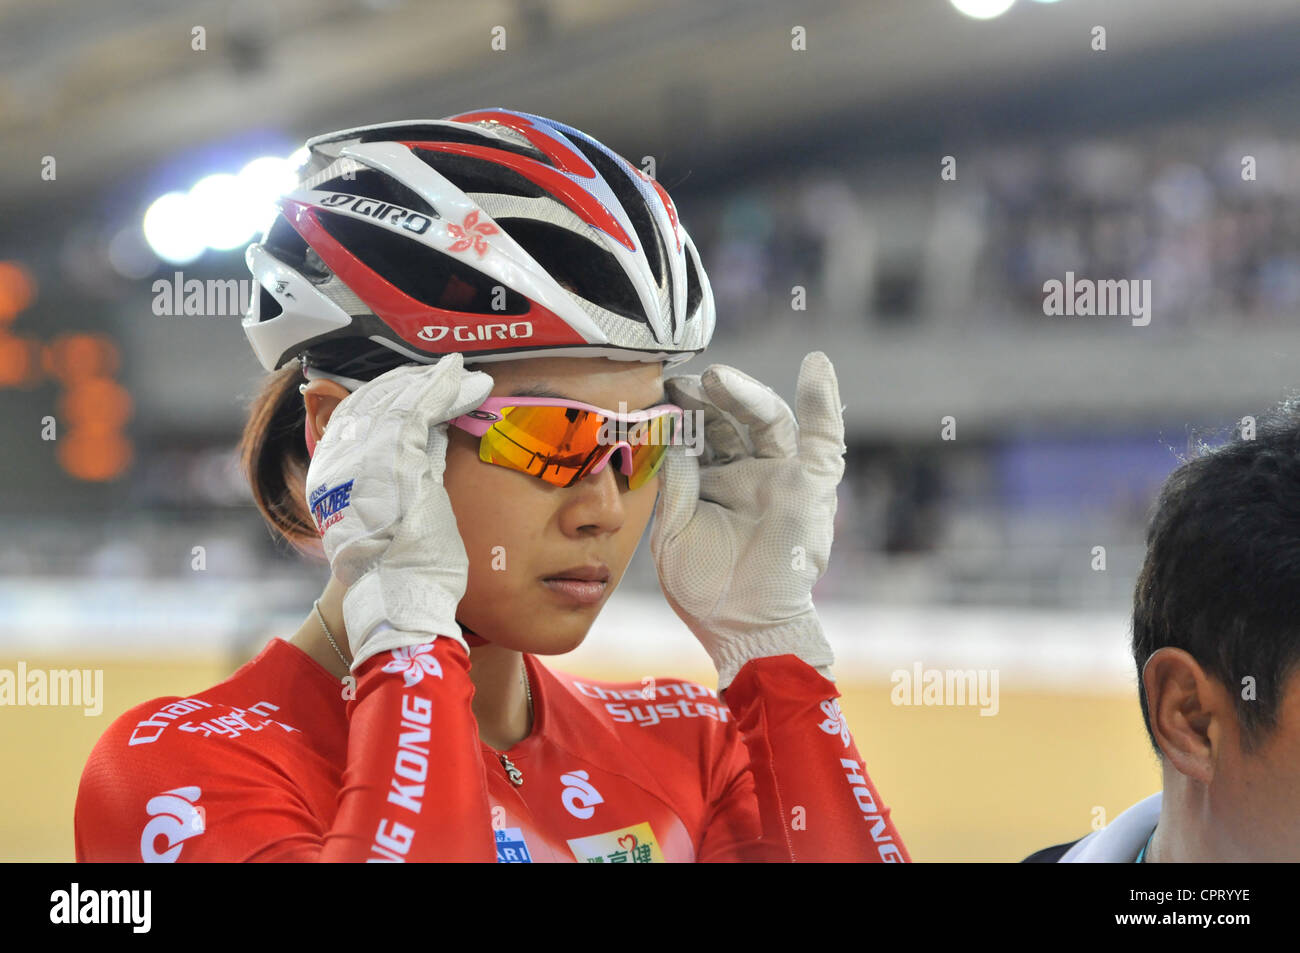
(743, 532)
(376, 492)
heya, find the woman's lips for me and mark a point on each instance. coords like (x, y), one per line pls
(583, 592)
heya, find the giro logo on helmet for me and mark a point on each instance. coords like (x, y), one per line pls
(373, 208)
(484, 332)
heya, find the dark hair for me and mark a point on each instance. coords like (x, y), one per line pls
(273, 454)
(1221, 578)
(273, 450)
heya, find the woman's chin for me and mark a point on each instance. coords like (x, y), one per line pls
(554, 640)
(559, 642)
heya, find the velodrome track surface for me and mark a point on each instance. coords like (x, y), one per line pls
(1066, 739)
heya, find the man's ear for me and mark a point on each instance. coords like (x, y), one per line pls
(320, 398)
(1190, 712)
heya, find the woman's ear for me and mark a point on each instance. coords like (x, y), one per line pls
(319, 397)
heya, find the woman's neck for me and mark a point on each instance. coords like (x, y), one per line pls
(500, 702)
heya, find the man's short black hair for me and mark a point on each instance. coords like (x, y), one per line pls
(1221, 578)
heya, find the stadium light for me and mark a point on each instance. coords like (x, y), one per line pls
(262, 181)
(221, 211)
(170, 230)
(982, 9)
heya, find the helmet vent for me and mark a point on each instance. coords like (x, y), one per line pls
(268, 307)
(633, 202)
(470, 174)
(694, 290)
(467, 136)
(439, 281)
(284, 242)
(590, 272)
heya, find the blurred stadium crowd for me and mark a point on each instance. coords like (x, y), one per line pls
(1218, 245)
(1009, 519)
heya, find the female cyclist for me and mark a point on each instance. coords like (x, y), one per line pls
(477, 519)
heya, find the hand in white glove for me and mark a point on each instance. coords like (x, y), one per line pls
(376, 492)
(743, 532)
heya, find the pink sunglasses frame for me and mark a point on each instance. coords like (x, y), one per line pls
(478, 421)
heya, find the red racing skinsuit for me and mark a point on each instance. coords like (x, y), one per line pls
(275, 764)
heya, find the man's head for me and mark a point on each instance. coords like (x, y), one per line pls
(1216, 622)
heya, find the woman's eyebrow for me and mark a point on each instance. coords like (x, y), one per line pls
(539, 391)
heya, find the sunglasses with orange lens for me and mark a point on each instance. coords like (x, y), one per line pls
(564, 441)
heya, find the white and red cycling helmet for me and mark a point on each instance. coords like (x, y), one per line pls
(495, 233)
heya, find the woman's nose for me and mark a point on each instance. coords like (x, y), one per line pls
(594, 504)
(618, 460)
